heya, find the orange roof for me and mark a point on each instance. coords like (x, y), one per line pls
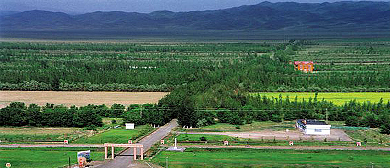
(303, 62)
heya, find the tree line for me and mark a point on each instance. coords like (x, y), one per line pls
(18, 114)
(50, 115)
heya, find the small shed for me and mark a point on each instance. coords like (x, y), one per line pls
(313, 127)
(129, 125)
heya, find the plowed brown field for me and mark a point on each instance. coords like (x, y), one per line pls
(79, 98)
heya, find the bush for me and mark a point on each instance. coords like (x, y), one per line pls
(203, 138)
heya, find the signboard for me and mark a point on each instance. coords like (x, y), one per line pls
(358, 144)
(291, 143)
(82, 161)
(66, 142)
(226, 143)
(83, 157)
(8, 165)
(162, 142)
(130, 142)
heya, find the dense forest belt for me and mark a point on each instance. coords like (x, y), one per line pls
(163, 67)
(79, 98)
(97, 66)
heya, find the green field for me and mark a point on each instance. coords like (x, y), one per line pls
(198, 137)
(254, 126)
(193, 157)
(119, 135)
(43, 157)
(336, 98)
(30, 134)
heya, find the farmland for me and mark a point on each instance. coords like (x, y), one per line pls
(334, 97)
(272, 158)
(207, 80)
(68, 98)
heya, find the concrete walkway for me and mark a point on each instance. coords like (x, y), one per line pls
(125, 159)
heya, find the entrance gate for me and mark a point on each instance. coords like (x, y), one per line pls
(134, 146)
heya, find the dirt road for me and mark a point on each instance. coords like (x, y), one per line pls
(125, 159)
(335, 135)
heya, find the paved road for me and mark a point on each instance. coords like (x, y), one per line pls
(126, 160)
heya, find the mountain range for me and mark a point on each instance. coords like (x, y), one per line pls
(263, 16)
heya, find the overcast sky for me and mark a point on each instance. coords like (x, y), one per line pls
(144, 6)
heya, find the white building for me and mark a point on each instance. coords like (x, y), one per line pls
(313, 127)
(129, 125)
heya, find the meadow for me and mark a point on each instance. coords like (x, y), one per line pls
(334, 97)
(31, 134)
(254, 126)
(194, 157)
(44, 157)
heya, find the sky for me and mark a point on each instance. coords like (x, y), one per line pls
(143, 6)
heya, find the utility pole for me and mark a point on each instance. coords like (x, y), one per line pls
(166, 162)
(326, 115)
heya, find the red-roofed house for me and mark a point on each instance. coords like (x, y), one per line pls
(305, 66)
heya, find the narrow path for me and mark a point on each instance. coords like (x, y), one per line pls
(124, 160)
(292, 147)
(51, 145)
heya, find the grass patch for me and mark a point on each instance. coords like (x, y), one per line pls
(195, 157)
(204, 137)
(30, 134)
(255, 126)
(44, 157)
(112, 121)
(119, 135)
(371, 135)
(336, 98)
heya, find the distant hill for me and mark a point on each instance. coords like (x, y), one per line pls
(263, 16)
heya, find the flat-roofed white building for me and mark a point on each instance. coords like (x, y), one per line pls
(313, 127)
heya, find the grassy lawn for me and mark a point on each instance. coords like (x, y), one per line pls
(198, 137)
(118, 135)
(371, 135)
(188, 140)
(336, 98)
(43, 157)
(255, 126)
(28, 134)
(195, 157)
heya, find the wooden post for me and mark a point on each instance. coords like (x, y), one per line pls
(135, 153)
(142, 153)
(105, 152)
(112, 152)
